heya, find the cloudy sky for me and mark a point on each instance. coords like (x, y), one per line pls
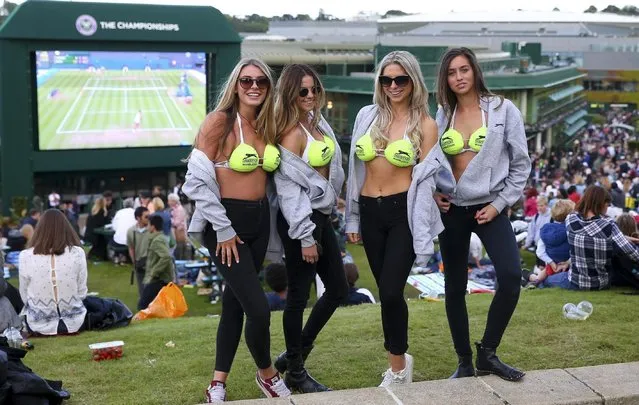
(349, 8)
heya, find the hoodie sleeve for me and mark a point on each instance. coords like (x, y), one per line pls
(295, 206)
(519, 159)
(352, 207)
(425, 217)
(207, 203)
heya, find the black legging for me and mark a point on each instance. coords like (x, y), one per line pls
(388, 243)
(300, 275)
(499, 240)
(243, 292)
(149, 292)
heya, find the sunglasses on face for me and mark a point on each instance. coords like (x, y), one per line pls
(248, 82)
(400, 81)
(315, 90)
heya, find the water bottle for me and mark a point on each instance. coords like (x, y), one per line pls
(14, 338)
(579, 312)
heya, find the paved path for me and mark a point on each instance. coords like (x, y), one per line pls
(612, 384)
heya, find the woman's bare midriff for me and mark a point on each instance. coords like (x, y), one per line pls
(324, 170)
(384, 179)
(459, 163)
(241, 186)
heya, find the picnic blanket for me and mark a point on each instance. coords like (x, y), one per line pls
(433, 285)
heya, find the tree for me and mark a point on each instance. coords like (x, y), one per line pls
(556, 9)
(611, 9)
(303, 17)
(394, 13)
(630, 10)
(6, 10)
(591, 9)
(322, 16)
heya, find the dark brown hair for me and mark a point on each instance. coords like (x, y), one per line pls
(445, 96)
(594, 200)
(286, 94)
(53, 234)
(352, 274)
(627, 225)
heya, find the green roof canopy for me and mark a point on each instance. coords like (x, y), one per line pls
(571, 119)
(571, 130)
(560, 95)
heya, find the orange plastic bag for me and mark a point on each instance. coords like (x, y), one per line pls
(169, 303)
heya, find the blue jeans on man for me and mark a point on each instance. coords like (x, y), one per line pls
(559, 280)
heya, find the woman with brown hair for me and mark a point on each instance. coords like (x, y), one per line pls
(484, 172)
(53, 277)
(308, 183)
(594, 241)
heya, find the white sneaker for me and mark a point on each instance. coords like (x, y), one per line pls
(273, 387)
(215, 393)
(402, 377)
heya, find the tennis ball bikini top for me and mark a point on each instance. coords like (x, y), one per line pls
(452, 142)
(245, 158)
(399, 153)
(317, 153)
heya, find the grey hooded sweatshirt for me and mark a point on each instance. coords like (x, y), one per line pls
(498, 173)
(301, 189)
(424, 218)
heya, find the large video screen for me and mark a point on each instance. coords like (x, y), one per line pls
(89, 100)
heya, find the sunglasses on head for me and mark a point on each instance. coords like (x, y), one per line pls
(315, 90)
(261, 83)
(400, 81)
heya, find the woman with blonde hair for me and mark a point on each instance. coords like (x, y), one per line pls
(228, 173)
(158, 209)
(308, 184)
(53, 277)
(390, 187)
(98, 218)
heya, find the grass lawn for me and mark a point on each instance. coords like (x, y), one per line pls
(348, 353)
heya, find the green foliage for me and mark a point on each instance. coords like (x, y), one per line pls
(6, 10)
(394, 13)
(591, 9)
(253, 23)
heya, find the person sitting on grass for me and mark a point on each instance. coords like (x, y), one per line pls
(53, 277)
(625, 272)
(553, 248)
(594, 240)
(355, 295)
(275, 278)
(159, 264)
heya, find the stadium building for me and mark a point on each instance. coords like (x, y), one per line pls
(550, 94)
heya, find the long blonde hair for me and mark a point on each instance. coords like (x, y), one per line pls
(228, 103)
(99, 205)
(418, 106)
(286, 94)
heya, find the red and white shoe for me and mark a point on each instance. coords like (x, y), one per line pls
(273, 387)
(216, 393)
